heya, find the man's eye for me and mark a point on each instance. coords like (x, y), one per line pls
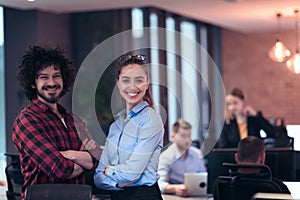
(57, 76)
(125, 81)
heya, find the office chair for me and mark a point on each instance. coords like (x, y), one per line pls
(243, 186)
(14, 177)
(58, 191)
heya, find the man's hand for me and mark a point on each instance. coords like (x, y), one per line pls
(81, 158)
(69, 154)
(181, 190)
(177, 189)
(88, 144)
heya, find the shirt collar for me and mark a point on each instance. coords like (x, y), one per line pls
(177, 152)
(136, 109)
(44, 106)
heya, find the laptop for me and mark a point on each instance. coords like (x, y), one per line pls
(196, 183)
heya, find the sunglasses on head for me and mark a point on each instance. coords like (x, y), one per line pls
(128, 57)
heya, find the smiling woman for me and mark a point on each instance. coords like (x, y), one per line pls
(128, 165)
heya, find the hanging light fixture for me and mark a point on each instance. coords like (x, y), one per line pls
(293, 63)
(279, 52)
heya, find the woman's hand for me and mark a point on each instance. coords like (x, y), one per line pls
(248, 110)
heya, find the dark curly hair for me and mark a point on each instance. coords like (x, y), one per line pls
(38, 58)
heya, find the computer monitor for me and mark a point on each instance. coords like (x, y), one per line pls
(294, 132)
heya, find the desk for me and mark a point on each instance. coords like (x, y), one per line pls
(174, 197)
(3, 192)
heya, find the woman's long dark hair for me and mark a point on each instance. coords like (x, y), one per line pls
(131, 58)
(38, 58)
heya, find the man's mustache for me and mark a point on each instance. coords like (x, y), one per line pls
(49, 87)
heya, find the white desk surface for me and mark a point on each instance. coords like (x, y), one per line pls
(3, 192)
(174, 197)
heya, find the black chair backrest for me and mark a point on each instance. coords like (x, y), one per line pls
(264, 170)
(243, 186)
(14, 177)
(58, 191)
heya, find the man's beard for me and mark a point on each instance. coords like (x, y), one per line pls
(53, 99)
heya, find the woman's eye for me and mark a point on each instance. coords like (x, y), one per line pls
(139, 81)
(125, 81)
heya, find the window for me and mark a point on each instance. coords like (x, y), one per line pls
(154, 54)
(2, 94)
(172, 80)
(180, 45)
(137, 22)
(2, 101)
(189, 73)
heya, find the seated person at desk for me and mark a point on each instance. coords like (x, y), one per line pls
(281, 138)
(179, 158)
(241, 121)
(252, 150)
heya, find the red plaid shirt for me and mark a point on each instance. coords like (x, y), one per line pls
(39, 135)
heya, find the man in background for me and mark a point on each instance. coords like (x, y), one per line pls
(179, 158)
(252, 150)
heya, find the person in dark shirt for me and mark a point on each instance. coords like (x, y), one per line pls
(252, 150)
(54, 146)
(242, 120)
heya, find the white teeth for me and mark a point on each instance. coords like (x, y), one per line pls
(132, 94)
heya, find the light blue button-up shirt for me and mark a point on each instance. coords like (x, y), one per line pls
(132, 149)
(172, 166)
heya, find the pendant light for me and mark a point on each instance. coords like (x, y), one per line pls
(293, 63)
(279, 52)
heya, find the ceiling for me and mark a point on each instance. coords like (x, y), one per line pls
(239, 15)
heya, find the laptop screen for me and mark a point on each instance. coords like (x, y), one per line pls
(294, 131)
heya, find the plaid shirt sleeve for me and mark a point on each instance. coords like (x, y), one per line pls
(84, 133)
(31, 138)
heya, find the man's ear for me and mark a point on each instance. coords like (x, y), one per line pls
(173, 135)
(33, 86)
(262, 158)
(236, 156)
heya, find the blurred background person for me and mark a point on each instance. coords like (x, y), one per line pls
(281, 138)
(252, 150)
(179, 158)
(241, 121)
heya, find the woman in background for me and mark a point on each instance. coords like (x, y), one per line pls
(128, 165)
(241, 121)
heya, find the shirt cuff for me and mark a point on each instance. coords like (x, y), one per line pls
(162, 186)
(110, 172)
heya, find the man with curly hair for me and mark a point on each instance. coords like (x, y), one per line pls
(54, 146)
